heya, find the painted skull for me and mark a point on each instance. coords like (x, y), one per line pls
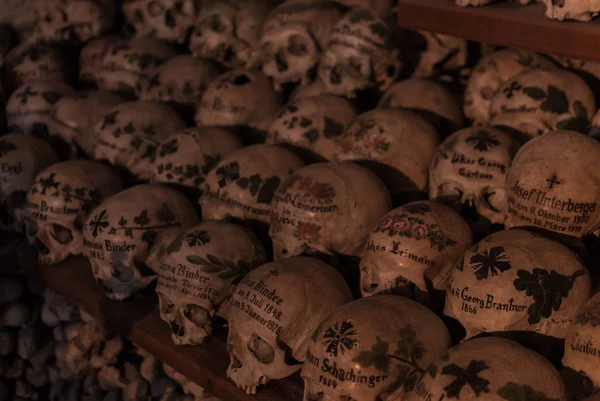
(490, 369)
(328, 207)
(491, 73)
(91, 58)
(199, 274)
(22, 157)
(553, 186)
(229, 32)
(572, 10)
(404, 337)
(315, 88)
(126, 236)
(169, 20)
(273, 313)
(61, 198)
(539, 101)
(294, 36)
(413, 245)
(186, 157)
(360, 55)
(517, 280)
(30, 63)
(129, 135)
(238, 97)
(468, 172)
(243, 184)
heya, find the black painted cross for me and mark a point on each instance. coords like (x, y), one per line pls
(25, 94)
(551, 181)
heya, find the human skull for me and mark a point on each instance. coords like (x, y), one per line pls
(315, 88)
(169, 20)
(538, 101)
(238, 97)
(129, 135)
(415, 244)
(61, 198)
(428, 98)
(294, 36)
(22, 157)
(360, 55)
(490, 369)
(90, 59)
(404, 337)
(491, 73)
(437, 55)
(517, 280)
(328, 207)
(199, 274)
(128, 63)
(243, 184)
(274, 311)
(186, 157)
(229, 32)
(572, 9)
(126, 236)
(468, 172)
(554, 187)
(30, 63)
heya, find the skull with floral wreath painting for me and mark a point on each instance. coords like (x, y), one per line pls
(169, 20)
(212, 257)
(374, 348)
(517, 280)
(126, 236)
(273, 313)
(91, 57)
(61, 198)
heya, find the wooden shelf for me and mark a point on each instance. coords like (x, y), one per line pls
(504, 23)
(138, 319)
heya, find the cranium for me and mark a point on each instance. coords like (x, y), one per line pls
(199, 274)
(360, 55)
(490, 369)
(328, 207)
(293, 38)
(517, 280)
(403, 335)
(169, 20)
(273, 313)
(243, 183)
(22, 157)
(553, 186)
(29, 63)
(315, 88)
(229, 32)
(61, 198)
(91, 58)
(129, 134)
(125, 237)
(572, 9)
(416, 244)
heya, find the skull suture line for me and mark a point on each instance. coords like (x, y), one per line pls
(29, 63)
(126, 236)
(169, 20)
(213, 256)
(273, 313)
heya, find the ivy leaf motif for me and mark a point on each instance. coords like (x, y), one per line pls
(376, 357)
(175, 246)
(556, 101)
(268, 190)
(122, 221)
(466, 377)
(165, 214)
(255, 182)
(142, 219)
(522, 392)
(243, 183)
(490, 261)
(149, 236)
(535, 93)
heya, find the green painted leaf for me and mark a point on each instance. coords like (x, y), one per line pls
(556, 101)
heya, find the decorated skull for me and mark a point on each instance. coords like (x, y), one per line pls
(517, 280)
(294, 36)
(242, 185)
(91, 58)
(328, 207)
(360, 55)
(126, 236)
(539, 101)
(413, 246)
(61, 198)
(491, 73)
(469, 171)
(30, 63)
(199, 274)
(274, 311)
(238, 97)
(553, 186)
(404, 337)
(229, 32)
(22, 157)
(186, 157)
(490, 369)
(128, 63)
(572, 9)
(315, 88)
(129, 135)
(169, 20)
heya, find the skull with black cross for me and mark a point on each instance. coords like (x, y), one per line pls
(169, 20)
(30, 63)
(126, 236)
(60, 199)
(91, 57)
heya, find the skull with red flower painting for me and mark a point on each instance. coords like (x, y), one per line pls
(170, 20)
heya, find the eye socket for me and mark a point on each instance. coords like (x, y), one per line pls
(449, 193)
(216, 23)
(355, 69)
(155, 8)
(61, 234)
(297, 45)
(196, 314)
(261, 349)
(495, 199)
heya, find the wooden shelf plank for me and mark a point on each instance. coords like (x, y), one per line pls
(504, 23)
(138, 319)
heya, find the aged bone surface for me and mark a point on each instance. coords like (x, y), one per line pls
(162, 19)
(29, 63)
(572, 9)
